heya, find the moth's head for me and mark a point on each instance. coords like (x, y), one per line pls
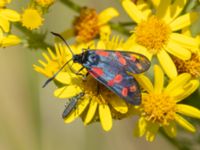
(77, 58)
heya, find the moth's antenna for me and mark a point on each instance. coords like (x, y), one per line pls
(58, 35)
(50, 79)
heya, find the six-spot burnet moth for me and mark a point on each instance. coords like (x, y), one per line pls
(111, 68)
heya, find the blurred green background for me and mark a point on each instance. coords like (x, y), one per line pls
(30, 116)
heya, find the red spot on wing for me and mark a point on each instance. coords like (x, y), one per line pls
(96, 71)
(102, 53)
(133, 58)
(118, 78)
(110, 83)
(133, 88)
(124, 91)
(120, 58)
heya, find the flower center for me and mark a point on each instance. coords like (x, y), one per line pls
(159, 108)
(152, 34)
(191, 66)
(94, 89)
(31, 18)
(86, 25)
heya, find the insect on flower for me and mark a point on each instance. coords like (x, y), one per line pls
(111, 68)
(72, 104)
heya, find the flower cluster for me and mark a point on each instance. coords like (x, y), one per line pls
(30, 18)
(160, 30)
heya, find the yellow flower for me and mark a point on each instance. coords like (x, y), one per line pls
(98, 103)
(191, 66)
(4, 2)
(8, 40)
(7, 16)
(53, 61)
(45, 3)
(161, 105)
(156, 34)
(31, 18)
(90, 24)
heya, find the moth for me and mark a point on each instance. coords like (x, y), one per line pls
(113, 69)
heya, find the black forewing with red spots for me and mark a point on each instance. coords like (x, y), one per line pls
(111, 69)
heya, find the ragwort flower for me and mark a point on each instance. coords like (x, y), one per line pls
(90, 24)
(161, 105)
(4, 2)
(7, 16)
(31, 18)
(156, 34)
(8, 40)
(98, 102)
(45, 3)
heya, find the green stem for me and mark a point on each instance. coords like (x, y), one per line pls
(175, 142)
(72, 5)
(127, 23)
(119, 28)
(35, 40)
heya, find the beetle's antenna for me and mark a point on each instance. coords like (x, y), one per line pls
(58, 35)
(50, 79)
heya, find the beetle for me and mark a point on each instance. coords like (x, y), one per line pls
(72, 103)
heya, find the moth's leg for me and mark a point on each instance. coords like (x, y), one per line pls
(78, 72)
(85, 76)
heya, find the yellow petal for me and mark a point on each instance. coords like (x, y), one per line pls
(183, 21)
(140, 128)
(133, 11)
(77, 111)
(144, 7)
(185, 41)
(178, 51)
(129, 45)
(106, 15)
(10, 40)
(51, 53)
(152, 129)
(10, 15)
(189, 88)
(4, 24)
(177, 7)
(184, 123)
(188, 110)
(144, 82)
(105, 31)
(101, 45)
(91, 111)
(105, 117)
(176, 93)
(178, 82)
(67, 91)
(158, 79)
(1, 33)
(170, 130)
(186, 31)
(163, 8)
(118, 104)
(156, 3)
(167, 64)
(63, 77)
